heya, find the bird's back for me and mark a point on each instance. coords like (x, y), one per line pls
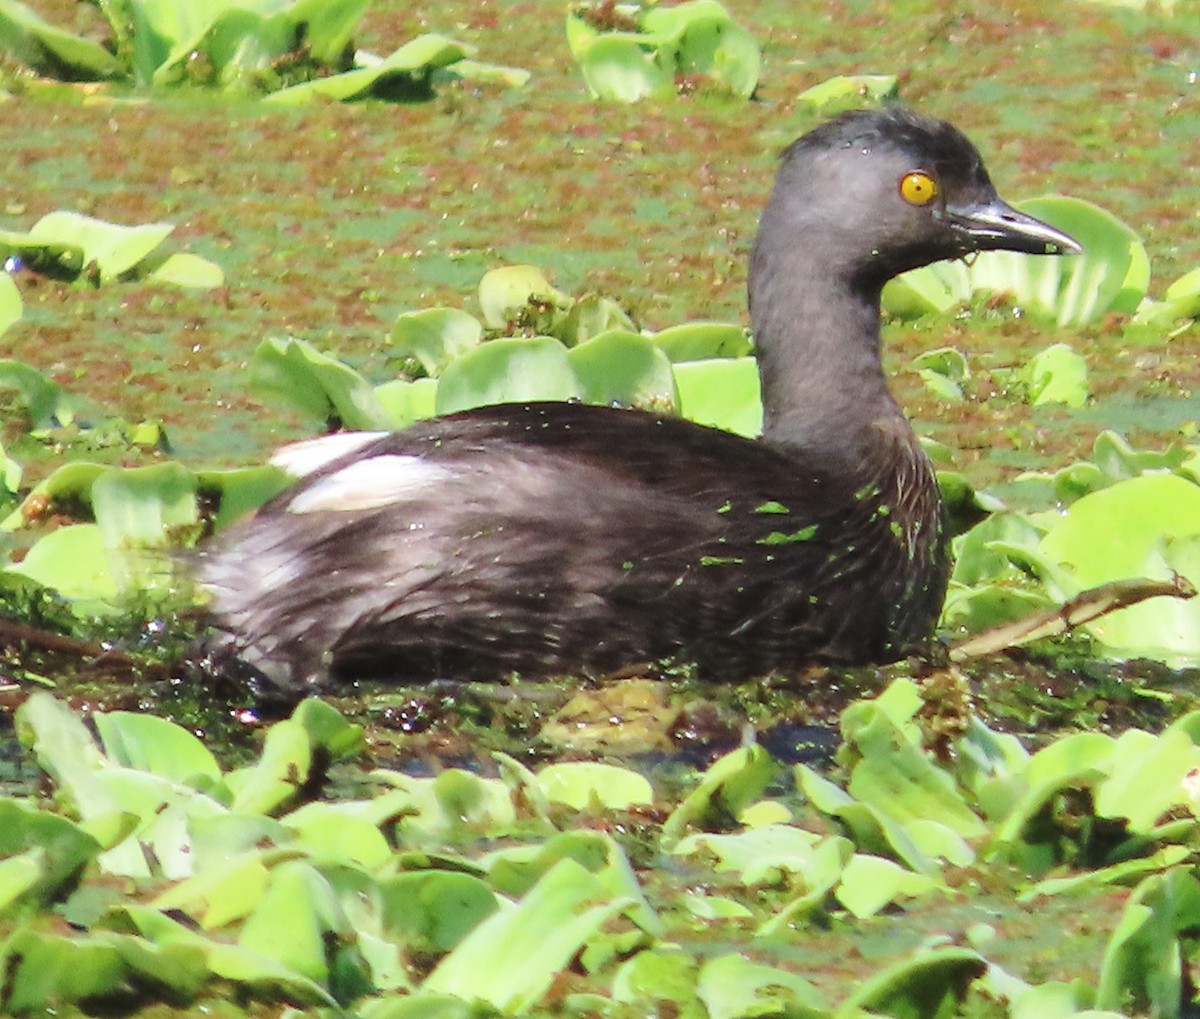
(549, 538)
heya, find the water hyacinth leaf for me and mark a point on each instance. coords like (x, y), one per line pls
(507, 292)
(625, 369)
(407, 66)
(297, 921)
(510, 960)
(10, 302)
(405, 402)
(1148, 777)
(432, 911)
(761, 855)
(715, 907)
(584, 785)
(703, 341)
(850, 91)
(873, 830)
(928, 986)
(72, 561)
(419, 1005)
(734, 987)
(221, 893)
(708, 42)
(45, 970)
(1159, 535)
(48, 50)
(41, 852)
(336, 832)
(45, 402)
(619, 68)
(729, 785)
(723, 393)
(869, 883)
(434, 336)
(173, 972)
(138, 505)
(508, 371)
(936, 288)
(897, 777)
(317, 384)
(1080, 760)
(943, 371)
(1181, 301)
(239, 491)
(183, 269)
(1142, 966)
(113, 249)
(1112, 274)
(513, 872)
(1123, 873)
(657, 975)
(156, 745)
(1056, 375)
(592, 315)
(235, 38)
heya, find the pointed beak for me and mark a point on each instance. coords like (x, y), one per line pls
(998, 226)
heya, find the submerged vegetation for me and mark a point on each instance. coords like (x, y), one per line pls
(1016, 839)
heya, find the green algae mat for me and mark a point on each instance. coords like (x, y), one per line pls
(226, 226)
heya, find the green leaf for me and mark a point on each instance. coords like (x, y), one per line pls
(319, 385)
(1056, 375)
(44, 400)
(869, 883)
(10, 303)
(432, 911)
(1142, 967)
(183, 269)
(624, 369)
(507, 292)
(729, 785)
(43, 971)
(510, 960)
(1159, 534)
(702, 341)
(435, 336)
(850, 91)
(149, 743)
(111, 248)
(73, 562)
(408, 65)
(47, 49)
(297, 918)
(1112, 274)
(617, 67)
(406, 402)
(508, 371)
(722, 393)
(41, 853)
(585, 785)
(733, 987)
(930, 985)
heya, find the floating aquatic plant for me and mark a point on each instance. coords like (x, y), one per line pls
(628, 51)
(296, 51)
(1112, 274)
(76, 246)
(184, 882)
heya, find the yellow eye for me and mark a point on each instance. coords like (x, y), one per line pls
(918, 188)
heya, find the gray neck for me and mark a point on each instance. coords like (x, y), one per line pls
(817, 334)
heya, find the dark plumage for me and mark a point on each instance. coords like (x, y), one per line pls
(558, 538)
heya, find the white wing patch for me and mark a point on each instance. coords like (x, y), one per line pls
(302, 458)
(371, 483)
